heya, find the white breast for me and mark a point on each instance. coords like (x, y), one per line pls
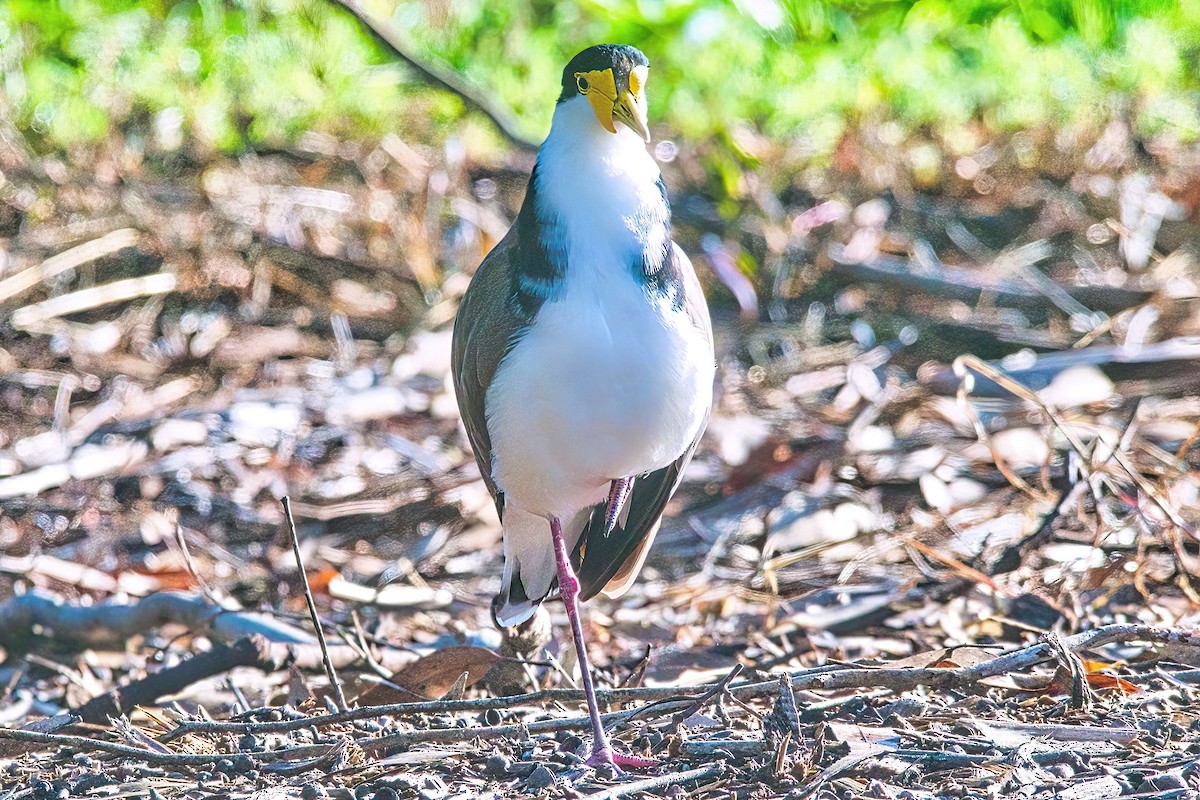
(610, 381)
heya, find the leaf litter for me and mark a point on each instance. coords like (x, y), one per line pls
(940, 540)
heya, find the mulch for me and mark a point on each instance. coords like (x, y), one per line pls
(940, 540)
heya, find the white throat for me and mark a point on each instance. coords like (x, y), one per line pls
(601, 191)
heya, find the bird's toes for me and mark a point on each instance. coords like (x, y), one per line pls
(609, 762)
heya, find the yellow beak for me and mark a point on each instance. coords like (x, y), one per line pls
(627, 110)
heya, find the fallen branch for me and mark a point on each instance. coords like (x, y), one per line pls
(636, 788)
(386, 36)
(708, 696)
(1040, 369)
(956, 283)
(899, 679)
(86, 744)
(115, 622)
(112, 623)
(829, 677)
(248, 652)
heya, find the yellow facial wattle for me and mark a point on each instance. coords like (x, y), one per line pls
(610, 106)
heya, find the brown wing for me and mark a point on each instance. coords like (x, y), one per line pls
(600, 560)
(483, 331)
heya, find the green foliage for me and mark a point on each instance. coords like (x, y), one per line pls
(227, 75)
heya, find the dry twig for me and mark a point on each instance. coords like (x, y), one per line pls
(113, 622)
(637, 788)
(441, 78)
(334, 683)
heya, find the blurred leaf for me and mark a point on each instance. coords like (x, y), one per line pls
(433, 675)
(264, 72)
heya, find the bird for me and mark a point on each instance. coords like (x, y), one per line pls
(583, 360)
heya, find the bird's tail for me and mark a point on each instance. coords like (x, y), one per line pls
(530, 572)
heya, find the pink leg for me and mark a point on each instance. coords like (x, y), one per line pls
(568, 584)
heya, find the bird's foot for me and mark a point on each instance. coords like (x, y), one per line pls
(618, 493)
(613, 760)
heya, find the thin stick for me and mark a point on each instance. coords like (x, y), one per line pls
(397, 741)
(705, 698)
(55, 265)
(1188, 442)
(661, 782)
(85, 744)
(338, 697)
(386, 35)
(33, 317)
(956, 565)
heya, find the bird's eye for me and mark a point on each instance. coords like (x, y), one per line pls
(582, 83)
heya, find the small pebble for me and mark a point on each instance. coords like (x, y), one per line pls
(386, 793)
(249, 743)
(492, 717)
(1163, 782)
(609, 773)
(311, 791)
(539, 779)
(91, 780)
(497, 765)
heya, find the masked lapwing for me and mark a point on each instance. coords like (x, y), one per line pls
(583, 358)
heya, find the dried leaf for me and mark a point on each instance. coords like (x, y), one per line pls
(434, 675)
(1100, 681)
(945, 658)
(319, 581)
(299, 692)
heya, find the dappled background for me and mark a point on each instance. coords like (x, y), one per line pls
(950, 249)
